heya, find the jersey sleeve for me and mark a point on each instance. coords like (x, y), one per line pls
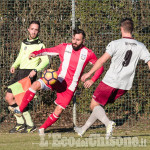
(97, 74)
(44, 62)
(93, 58)
(99, 71)
(145, 54)
(110, 49)
(53, 51)
(18, 59)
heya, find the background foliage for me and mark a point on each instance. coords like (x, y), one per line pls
(100, 20)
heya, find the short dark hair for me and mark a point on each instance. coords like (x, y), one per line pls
(127, 24)
(78, 31)
(35, 22)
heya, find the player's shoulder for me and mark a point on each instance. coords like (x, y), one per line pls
(112, 43)
(89, 50)
(121, 41)
(65, 44)
(40, 41)
(139, 43)
(135, 42)
(116, 41)
(24, 41)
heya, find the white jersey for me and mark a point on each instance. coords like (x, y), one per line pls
(125, 53)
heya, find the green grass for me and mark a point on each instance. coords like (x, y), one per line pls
(33, 141)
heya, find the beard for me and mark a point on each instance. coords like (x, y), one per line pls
(33, 36)
(77, 47)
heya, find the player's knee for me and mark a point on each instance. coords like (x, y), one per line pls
(93, 104)
(91, 107)
(36, 85)
(58, 110)
(6, 98)
(9, 97)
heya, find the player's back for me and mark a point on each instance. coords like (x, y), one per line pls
(125, 54)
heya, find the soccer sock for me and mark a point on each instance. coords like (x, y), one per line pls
(50, 120)
(28, 118)
(101, 115)
(29, 95)
(20, 120)
(89, 122)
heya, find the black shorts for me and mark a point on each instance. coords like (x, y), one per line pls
(20, 74)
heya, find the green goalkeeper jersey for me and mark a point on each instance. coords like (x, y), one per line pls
(23, 61)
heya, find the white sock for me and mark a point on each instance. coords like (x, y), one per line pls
(20, 120)
(89, 122)
(28, 118)
(100, 114)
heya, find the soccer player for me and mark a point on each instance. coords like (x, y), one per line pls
(124, 54)
(26, 68)
(74, 57)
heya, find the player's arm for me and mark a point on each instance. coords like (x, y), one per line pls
(88, 83)
(46, 51)
(53, 51)
(145, 55)
(44, 61)
(97, 74)
(99, 63)
(148, 64)
(17, 62)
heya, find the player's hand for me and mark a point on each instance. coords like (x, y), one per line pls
(31, 56)
(88, 83)
(32, 74)
(12, 70)
(85, 76)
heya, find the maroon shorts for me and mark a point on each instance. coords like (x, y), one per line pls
(105, 94)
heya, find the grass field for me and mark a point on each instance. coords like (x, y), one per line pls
(66, 139)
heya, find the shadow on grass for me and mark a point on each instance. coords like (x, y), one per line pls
(60, 130)
(119, 122)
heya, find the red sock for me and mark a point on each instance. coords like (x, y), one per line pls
(50, 120)
(29, 95)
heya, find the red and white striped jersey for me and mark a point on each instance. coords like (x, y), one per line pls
(72, 63)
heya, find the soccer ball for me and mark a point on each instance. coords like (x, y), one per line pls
(49, 76)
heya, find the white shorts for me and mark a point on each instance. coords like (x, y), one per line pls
(43, 85)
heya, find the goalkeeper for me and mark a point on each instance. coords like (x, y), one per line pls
(26, 68)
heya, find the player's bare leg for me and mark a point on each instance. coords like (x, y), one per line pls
(11, 101)
(51, 119)
(36, 86)
(93, 104)
(10, 98)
